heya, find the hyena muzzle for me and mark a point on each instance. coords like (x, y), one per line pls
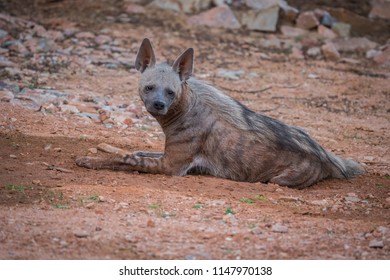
(210, 133)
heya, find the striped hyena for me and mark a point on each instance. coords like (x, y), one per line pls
(211, 133)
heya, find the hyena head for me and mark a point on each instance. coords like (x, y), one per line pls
(161, 86)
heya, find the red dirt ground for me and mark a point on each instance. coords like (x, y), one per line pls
(52, 209)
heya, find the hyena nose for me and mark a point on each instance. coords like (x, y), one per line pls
(158, 105)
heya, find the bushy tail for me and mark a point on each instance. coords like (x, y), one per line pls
(344, 168)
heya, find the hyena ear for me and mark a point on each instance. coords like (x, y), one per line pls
(145, 56)
(184, 64)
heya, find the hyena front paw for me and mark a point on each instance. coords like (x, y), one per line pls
(89, 162)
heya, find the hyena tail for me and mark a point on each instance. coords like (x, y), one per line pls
(344, 168)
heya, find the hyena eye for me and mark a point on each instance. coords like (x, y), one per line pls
(170, 92)
(149, 88)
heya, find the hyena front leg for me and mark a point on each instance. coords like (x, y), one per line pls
(148, 162)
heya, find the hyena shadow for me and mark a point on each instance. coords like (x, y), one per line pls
(211, 133)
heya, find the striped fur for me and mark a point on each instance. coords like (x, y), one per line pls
(209, 132)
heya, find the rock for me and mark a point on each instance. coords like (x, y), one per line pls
(90, 205)
(80, 233)
(220, 17)
(383, 57)
(194, 6)
(262, 20)
(376, 243)
(260, 4)
(18, 48)
(330, 52)
(325, 32)
(230, 219)
(370, 54)
(288, 12)
(314, 52)
(172, 5)
(69, 31)
(327, 20)
(350, 60)
(92, 150)
(69, 109)
(54, 35)
(6, 95)
(356, 44)
(290, 31)
(45, 45)
(186, 6)
(101, 198)
(380, 9)
(297, 53)
(123, 204)
(342, 29)
(360, 25)
(279, 228)
(387, 203)
(85, 35)
(13, 156)
(368, 158)
(3, 33)
(383, 230)
(150, 223)
(352, 199)
(230, 74)
(37, 182)
(102, 39)
(322, 202)
(134, 9)
(307, 20)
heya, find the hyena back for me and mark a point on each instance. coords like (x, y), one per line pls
(208, 132)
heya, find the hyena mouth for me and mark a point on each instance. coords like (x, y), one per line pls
(157, 109)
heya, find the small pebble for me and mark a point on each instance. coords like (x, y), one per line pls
(279, 228)
(80, 233)
(376, 243)
(93, 150)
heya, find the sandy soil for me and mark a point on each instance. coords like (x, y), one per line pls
(52, 209)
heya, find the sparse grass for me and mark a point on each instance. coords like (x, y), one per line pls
(154, 206)
(58, 206)
(379, 186)
(229, 211)
(247, 200)
(94, 198)
(167, 215)
(387, 176)
(261, 197)
(17, 188)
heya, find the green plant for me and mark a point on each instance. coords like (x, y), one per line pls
(19, 188)
(261, 197)
(229, 211)
(247, 200)
(61, 206)
(198, 206)
(154, 206)
(167, 215)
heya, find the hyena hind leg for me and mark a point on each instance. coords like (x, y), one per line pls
(301, 175)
